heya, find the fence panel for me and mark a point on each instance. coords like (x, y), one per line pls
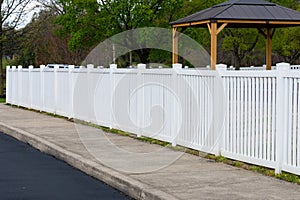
(14, 84)
(156, 97)
(102, 98)
(196, 98)
(49, 91)
(62, 93)
(250, 133)
(124, 84)
(36, 90)
(81, 96)
(291, 156)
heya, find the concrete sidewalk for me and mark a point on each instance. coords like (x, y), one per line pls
(141, 170)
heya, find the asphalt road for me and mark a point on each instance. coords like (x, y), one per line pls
(26, 173)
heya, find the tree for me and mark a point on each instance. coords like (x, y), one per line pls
(287, 44)
(12, 13)
(40, 45)
(88, 22)
(240, 43)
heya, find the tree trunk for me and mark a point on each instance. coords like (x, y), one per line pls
(237, 62)
(143, 55)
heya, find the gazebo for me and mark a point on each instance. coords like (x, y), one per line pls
(265, 16)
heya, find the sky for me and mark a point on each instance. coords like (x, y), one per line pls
(32, 7)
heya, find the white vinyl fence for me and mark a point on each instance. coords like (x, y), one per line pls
(252, 116)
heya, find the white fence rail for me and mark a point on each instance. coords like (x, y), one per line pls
(296, 67)
(251, 116)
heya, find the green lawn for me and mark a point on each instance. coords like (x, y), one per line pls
(2, 100)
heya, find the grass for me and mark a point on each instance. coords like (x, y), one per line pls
(2, 100)
(258, 169)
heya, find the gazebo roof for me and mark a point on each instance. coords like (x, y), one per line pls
(243, 14)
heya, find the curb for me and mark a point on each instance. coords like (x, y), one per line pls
(125, 184)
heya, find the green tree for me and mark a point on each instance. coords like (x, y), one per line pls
(240, 43)
(41, 46)
(286, 44)
(286, 41)
(88, 22)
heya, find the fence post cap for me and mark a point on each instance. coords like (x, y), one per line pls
(14, 67)
(20, 67)
(113, 66)
(42, 67)
(7, 67)
(141, 66)
(283, 66)
(71, 66)
(177, 66)
(90, 66)
(30, 67)
(221, 67)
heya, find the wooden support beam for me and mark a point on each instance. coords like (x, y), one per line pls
(200, 22)
(285, 22)
(242, 21)
(269, 49)
(221, 28)
(175, 45)
(213, 50)
(181, 25)
(209, 29)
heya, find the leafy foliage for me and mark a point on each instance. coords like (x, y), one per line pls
(79, 25)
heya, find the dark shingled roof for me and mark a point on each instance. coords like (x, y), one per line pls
(248, 10)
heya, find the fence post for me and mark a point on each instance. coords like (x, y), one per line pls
(14, 87)
(30, 69)
(89, 97)
(20, 77)
(8, 81)
(281, 119)
(112, 69)
(175, 118)
(140, 100)
(219, 110)
(42, 100)
(56, 67)
(71, 91)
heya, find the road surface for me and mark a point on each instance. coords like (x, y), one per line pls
(26, 173)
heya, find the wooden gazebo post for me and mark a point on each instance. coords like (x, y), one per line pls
(269, 49)
(268, 36)
(214, 31)
(175, 46)
(213, 45)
